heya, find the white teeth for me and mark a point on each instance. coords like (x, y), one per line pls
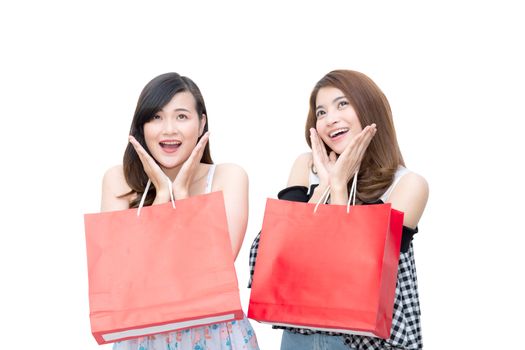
(171, 143)
(338, 131)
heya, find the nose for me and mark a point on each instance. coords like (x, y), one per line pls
(169, 126)
(332, 118)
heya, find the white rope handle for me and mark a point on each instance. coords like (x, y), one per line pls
(170, 186)
(325, 195)
(353, 191)
(351, 195)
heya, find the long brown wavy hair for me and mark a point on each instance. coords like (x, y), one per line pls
(383, 155)
(155, 95)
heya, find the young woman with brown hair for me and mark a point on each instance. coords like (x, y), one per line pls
(350, 129)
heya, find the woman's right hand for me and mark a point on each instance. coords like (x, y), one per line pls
(322, 163)
(181, 185)
(336, 171)
(348, 162)
(154, 173)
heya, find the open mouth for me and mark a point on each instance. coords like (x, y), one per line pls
(170, 146)
(339, 132)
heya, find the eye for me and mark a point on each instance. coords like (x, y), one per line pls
(182, 116)
(342, 104)
(320, 113)
(155, 117)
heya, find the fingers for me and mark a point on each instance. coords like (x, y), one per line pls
(198, 151)
(361, 139)
(151, 168)
(186, 171)
(350, 160)
(313, 140)
(145, 158)
(318, 149)
(365, 137)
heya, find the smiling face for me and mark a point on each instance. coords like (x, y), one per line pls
(336, 120)
(172, 133)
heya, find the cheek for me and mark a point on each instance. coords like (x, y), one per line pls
(319, 126)
(191, 130)
(356, 123)
(149, 134)
(358, 126)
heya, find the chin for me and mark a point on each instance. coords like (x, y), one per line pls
(337, 150)
(340, 146)
(169, 163)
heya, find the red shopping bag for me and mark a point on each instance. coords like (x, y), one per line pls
(329, 269)
(165, 269)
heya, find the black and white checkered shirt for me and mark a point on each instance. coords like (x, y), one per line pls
(406, 326)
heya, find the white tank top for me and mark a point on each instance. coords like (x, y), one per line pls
(209, 179)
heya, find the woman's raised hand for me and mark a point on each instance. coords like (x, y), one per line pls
(322, 162)
(350, 159)
(336, 171)
(182, 182)
(154, 172)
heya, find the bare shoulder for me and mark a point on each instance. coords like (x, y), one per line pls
(115, 181)
(300, 170)
(410, 196)
(229, 173)
(412, 184)
(231, 169)
(304, 160)
(114, 185)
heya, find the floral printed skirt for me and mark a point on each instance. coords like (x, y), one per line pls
(234, 335)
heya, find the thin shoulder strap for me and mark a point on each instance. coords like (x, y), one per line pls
(209, 179)
(401, 171)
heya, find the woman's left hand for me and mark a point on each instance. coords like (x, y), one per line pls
(182, 182)
(349, 161)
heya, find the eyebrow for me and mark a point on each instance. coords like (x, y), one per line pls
(334, 101)
(180, 109)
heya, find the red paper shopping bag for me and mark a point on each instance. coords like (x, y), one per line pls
(165, 269)
(329, 269)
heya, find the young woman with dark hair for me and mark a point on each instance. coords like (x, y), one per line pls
(169, 138)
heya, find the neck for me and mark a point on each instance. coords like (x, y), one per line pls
(173, 172)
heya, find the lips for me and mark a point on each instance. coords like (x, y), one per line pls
(337, 133)
(170, 146)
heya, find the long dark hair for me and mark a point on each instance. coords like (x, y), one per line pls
(383, 156)
(155, 95)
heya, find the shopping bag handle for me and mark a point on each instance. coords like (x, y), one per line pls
(324, 198)
(170, 186)
(351, 195)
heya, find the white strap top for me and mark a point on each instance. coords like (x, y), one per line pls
(209, 179)
(401, 171)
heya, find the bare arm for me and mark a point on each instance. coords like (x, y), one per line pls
(114, 185)
(410, 196)
(233, 181)
(299, 176)
(299, 173)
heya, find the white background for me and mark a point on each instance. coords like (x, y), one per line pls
(71, 74)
